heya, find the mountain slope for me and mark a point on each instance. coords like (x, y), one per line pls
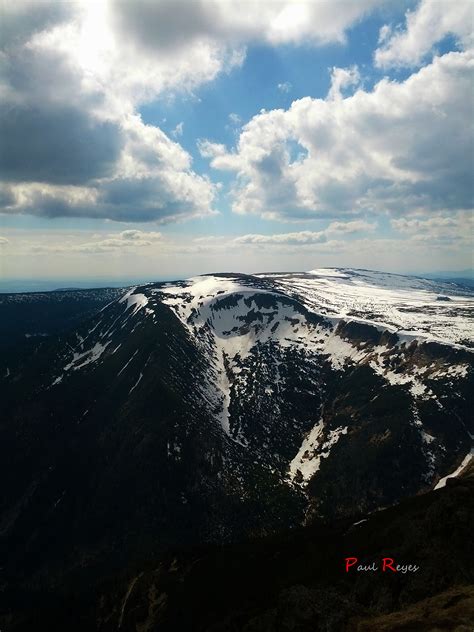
(227, 406)
(29, 318)
(290, 581)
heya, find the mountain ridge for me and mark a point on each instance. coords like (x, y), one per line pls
(229, 406)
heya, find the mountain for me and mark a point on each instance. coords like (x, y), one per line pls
(227, 406)
(42, 314)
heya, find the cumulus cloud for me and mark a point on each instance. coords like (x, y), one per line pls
(208, 149)
(430, 23)
(454, 229)
(21, 20)
(372, 152)
(159, 26)
(3, 241)
(59, 145)
(73, 75)
(48, 124)
(86, 155)
(342, 78)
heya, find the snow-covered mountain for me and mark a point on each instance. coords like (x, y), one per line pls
(233, 404)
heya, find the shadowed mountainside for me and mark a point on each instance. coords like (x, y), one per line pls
(294, 581)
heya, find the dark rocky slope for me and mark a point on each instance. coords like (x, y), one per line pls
(36, 315)
(289, 582)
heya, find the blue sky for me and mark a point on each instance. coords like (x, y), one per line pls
(170, 139)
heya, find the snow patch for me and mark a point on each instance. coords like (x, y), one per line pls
(127, 363)
(136, 384)
(305, 460)
(308, 459)
(137, 301)
(465, 462)
(80, 360)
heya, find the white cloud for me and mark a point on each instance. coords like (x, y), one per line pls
(431, 22)
(178, 130)
(138, 235)
(384, 33)
(127, 240)
(235, 118)
(160, 26)
(413, 225)
(208, 149)
(70, 84)
(75, 73)
(87, 156)
(349, 228)
(455, 229)
(342, 78)
(49, 253)
(151, 180)
(372, 152)
(137, 50)
(4, 241)
(285, 87)
(308, 237)
(302, 237)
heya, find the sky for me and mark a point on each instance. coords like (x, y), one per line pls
(169, 138)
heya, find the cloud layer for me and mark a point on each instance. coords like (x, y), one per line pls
(383, 165)
(73, 75)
